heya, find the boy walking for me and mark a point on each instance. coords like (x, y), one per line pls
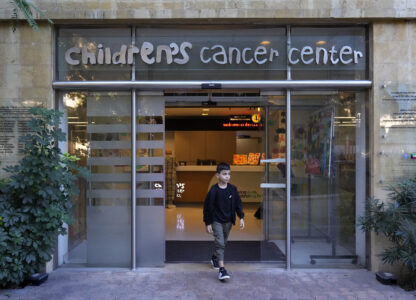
(221, 205)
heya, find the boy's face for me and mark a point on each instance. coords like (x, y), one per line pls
(224, 176)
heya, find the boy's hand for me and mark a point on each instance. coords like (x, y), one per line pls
(209, 229)
(242, 224)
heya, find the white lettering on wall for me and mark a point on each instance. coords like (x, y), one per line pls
(306, 51)
(322, 55)
(318, 55)
(220, 54)
(291, 50)
(185, 55)
(147, 49)
(217, 54)
(245, 60)
(346, 50)
(231, 52)
(120, 57)
(273, 53)
(130, 53)
(175, 48)
(261, 50)
(201, 55)
(88, 56)
(100, 56)
(107, 56)
(357, 54)
(334, 60)
(68, 57)
(168, 53)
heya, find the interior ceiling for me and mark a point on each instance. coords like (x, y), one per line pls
(211, 111)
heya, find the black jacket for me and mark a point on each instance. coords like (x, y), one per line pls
(209, 204)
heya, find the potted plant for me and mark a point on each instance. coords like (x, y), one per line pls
(35, 201)
(396, 220)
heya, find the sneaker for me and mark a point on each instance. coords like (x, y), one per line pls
(214, 262)
(223, 274)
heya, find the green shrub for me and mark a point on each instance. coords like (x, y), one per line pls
(36, 200)
(397, 221)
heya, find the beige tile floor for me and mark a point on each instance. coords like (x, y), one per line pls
(184, 222)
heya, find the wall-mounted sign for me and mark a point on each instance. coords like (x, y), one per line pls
(241, 125)
(209, 53)
(256, 118)
(243, 122)
(397, 119)
(179, 53)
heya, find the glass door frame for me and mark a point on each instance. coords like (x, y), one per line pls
(135, 86)
(287, 185)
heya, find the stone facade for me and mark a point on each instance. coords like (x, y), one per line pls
(26, 68)
(78, 10)
(25, 72)
(394, 63)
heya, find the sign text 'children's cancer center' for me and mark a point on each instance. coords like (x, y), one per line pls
(180, 54)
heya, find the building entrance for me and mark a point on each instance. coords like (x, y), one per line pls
(198, 138)
(178, 140)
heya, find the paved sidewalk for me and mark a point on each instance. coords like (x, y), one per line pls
(197, 281)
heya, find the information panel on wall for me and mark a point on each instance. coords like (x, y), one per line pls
(397, 151)
(14, 123)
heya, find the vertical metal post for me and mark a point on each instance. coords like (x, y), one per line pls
(288, 159)
(266, 201)
(288, 44)
(288, 179)
(133, 163)
(133, 180)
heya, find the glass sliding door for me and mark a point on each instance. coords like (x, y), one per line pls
(150, 180)
(99, 132)
(328, 181)
(274, 186)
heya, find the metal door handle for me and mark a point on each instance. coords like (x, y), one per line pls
(272, 185)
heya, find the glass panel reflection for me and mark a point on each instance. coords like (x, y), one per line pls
(150, 181)
(99, 133)
(328, 53)
(327, 137)
(100, 45)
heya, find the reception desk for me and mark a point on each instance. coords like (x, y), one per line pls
(193, 182)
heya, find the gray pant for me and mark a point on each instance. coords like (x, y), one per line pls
(221, 232)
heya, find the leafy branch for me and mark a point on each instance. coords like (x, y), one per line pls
(26, 7)
(396, 220)
(36, 200)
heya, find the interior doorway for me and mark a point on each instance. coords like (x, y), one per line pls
(197, 138)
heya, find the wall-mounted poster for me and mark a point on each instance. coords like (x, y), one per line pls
(319, 142)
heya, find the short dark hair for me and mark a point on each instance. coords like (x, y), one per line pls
(222, 166)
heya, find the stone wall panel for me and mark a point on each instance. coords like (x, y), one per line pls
(297, 9)
(393, 63)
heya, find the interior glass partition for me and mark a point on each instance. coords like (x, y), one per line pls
(328, 181)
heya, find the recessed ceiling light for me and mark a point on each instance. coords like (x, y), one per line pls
(321, 42)
(265, 43)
